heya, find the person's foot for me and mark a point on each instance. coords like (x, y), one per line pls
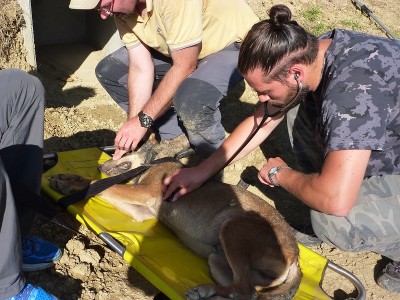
(390, 277)
(38, 254)
(305, 235)
(31, 292)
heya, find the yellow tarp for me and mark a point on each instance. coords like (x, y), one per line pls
(151, 248)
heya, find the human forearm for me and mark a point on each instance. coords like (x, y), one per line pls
(228, 149)
(140, 78)
(309, 189)
(161, 99)
(184, 63)
(334, 190)
(140, 85)
(186, 180)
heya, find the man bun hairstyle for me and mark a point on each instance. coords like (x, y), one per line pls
(279, 15)
(276, 44)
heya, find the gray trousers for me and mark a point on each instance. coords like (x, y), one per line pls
(195, 110)
(373, 224)
(21, 157)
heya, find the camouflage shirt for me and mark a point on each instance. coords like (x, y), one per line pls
(358, 99)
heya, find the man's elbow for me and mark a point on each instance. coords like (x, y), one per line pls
(186, 68)
(341, 212)
(190, 68)
(338, 206)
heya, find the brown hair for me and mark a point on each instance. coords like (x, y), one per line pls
(276, 44)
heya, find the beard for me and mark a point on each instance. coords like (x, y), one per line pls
(296, 95)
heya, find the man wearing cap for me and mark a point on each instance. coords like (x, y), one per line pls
(191, 47)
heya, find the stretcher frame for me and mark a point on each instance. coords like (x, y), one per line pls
(171, 269)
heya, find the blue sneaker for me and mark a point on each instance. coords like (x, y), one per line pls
(31, 292)
(38, 254)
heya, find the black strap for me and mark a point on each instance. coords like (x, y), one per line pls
(105, 183)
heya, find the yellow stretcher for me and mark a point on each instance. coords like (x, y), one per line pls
(152, 249)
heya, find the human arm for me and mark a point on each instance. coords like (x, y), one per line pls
(140, 82)
(186, 180)
(334, 190)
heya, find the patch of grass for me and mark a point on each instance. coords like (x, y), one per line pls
(319, 29)
(314, 21)
(350, 24)
(312, 14)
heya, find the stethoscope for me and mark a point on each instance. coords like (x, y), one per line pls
(267, 115)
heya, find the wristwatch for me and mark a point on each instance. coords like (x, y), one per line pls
(273, 171)
(145, 120)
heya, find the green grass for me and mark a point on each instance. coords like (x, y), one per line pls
(350, 24)
(314, 21)
(312, 14)
(319, 29)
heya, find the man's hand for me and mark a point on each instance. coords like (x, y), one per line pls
(270, 163)
(183, 181)
(128, 137)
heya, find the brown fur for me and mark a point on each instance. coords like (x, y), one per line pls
(251, 250)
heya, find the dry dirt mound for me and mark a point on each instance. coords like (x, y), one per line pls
(12, 51)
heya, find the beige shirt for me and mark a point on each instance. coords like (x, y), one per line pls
(170, 25)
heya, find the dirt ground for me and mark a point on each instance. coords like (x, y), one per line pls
(80, 114)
